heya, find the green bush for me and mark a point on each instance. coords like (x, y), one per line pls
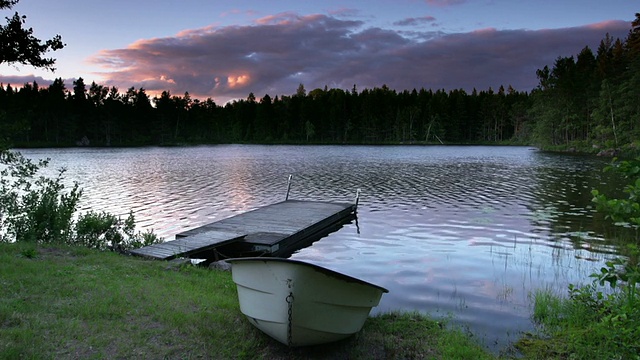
(107, 232)
(38, 209)
(95, 230)
(612, 318)
(34, 208)
(592, 323)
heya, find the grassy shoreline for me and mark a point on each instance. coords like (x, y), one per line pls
(68, 302)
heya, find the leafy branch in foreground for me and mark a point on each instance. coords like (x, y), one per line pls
(19, 45)
(623, 211)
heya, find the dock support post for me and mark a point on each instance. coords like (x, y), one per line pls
(288, 188)
(357, 198)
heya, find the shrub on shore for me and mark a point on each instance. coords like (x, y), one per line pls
(598, 320)
(39, 209)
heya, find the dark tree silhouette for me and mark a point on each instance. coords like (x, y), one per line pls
(18, 45)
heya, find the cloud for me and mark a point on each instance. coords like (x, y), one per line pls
(277, 53)
(415, 21)
(16, 81)
(345, 12)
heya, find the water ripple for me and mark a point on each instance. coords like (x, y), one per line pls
(468, 231)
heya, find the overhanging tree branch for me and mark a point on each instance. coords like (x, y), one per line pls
(18, 45)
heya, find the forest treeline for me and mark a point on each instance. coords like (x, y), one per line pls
(101, 116)
(588, 100)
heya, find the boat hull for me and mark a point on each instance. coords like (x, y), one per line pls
(302, 304)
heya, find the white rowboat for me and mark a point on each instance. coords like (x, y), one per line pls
(302, 304)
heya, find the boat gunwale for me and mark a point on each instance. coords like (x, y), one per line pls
(304, 263)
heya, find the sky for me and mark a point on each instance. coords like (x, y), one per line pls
(225, 50)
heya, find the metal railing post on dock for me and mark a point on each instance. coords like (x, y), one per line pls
(288, 187)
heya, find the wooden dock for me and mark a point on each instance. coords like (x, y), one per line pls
(274, 230)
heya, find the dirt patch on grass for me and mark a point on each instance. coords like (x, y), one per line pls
(49, 252)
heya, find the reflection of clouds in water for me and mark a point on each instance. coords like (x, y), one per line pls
(468, 231)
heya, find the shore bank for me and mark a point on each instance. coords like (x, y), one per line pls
(71, 302)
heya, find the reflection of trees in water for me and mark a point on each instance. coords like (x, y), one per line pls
(562, 205)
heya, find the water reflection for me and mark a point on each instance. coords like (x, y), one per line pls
(468, 231)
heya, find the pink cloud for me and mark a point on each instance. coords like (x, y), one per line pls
(604, 25)
(278, 19)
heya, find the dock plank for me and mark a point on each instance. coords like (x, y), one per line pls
(285, 223)
(183, 246)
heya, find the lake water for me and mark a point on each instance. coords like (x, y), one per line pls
(462, 231)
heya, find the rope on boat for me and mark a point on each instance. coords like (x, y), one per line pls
(289, 300)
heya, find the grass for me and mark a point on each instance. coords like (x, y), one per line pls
(587, 325)
(61, 302)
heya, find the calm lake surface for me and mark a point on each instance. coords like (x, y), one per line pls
(462, 231)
